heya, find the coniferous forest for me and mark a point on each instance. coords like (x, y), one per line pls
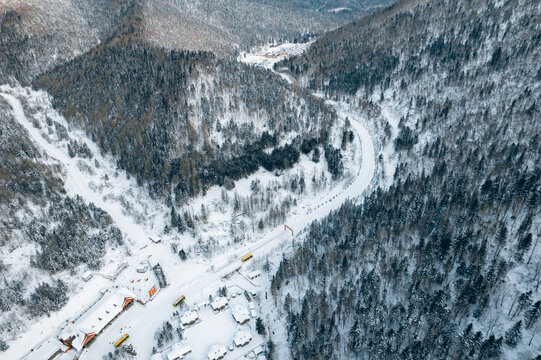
(444, 262)
(122, 119)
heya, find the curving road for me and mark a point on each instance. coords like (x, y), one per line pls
(141, 321)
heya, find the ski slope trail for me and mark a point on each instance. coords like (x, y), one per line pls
(76, 183)
(118, 196)
(141, 321)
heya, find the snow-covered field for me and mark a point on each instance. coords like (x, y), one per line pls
(268, 55)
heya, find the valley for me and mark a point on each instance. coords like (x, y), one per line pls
(200, 275)
(284, 179)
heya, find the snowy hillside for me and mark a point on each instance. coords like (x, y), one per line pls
(93, 181)
(442, 262)
(98, 181)
(285, 179)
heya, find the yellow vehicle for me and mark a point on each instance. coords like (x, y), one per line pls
(179, 300)
(121, 340)
(247, 257)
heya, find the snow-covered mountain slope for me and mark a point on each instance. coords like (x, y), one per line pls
(442, 262)
(181, 121)
(97, 180)
(221, 27)
(83, 214)
(37, 35)
(93, 185)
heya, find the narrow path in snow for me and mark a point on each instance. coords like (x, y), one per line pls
(76, 181)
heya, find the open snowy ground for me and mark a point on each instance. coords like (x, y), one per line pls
(213, 253)
(268, 55)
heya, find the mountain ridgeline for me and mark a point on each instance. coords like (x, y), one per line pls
(445, 262)
(36, 35)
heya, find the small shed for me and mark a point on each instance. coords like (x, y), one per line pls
(217, 352)
(87, 276)
(253, 274)
(178, 351)
(259, 350)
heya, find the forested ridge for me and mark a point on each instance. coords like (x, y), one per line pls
(36, 35)
(445, 262)
(170, 116)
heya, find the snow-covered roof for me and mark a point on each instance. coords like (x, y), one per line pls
(46, 349)
(254, 274)
(242, 338)
(189, 318)
(252, 305)
(178, 350)
(98, 316)
(87, 276)
(241, 314)
(253, 313)
(157, 356)
(217, 352)
(152, 261)
(103, 311)
(218, 303)
(141, 268)
(258, 350)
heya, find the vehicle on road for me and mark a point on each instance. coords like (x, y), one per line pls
(179, 300)
(247, 257)
(122, 339)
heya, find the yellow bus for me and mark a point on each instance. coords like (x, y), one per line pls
(179, 300)
(247, 257)
(121, 340)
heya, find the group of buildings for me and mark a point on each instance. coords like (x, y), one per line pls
(79, 332)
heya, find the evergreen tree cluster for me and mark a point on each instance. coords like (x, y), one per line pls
(47, 298)
(70, 243)
(426, 268)
(161, 114)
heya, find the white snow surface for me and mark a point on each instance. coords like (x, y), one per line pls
(266, 56)
(195, 278)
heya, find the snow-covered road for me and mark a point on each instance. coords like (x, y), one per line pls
(141, 321)
(76, 183)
